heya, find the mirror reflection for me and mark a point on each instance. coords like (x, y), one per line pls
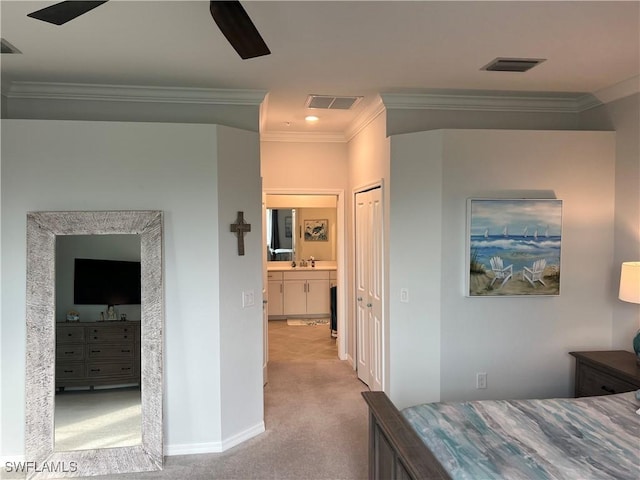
(98, 309)
(280, 238)
(300, 227)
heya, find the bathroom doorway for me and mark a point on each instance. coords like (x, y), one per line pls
(303, 269)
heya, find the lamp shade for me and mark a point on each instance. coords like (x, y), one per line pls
(630, 282)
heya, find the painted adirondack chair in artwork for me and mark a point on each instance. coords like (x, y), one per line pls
(499, 271)
(534, 274)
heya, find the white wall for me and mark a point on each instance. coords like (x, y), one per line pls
(625, 117)
(416, 264)
(368, 165)
(241, 351)
(522, 343)
(304, 165)
(67, 165)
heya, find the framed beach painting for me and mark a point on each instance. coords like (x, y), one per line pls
(513, 247)
(316, 230)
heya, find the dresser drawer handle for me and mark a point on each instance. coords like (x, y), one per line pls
(125, 351)
(95, 351)
(95, 369)
(68, 371)
(126, 368)
(69, 353)
(607, 389)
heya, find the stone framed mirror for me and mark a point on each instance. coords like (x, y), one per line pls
(42, 230)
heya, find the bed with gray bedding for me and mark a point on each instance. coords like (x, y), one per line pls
(586, 438)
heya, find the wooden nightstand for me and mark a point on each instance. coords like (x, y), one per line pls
(605, 373)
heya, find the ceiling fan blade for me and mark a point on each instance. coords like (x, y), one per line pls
(237, 27)
(61, 13)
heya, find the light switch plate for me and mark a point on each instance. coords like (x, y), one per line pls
(248, 299)
(404, 295)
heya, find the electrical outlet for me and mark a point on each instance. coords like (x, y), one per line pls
(481, 380)
(248, 299)
(404, 295)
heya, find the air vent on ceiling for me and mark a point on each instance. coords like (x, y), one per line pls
(512, 64)
(7, 47)
(331, 102)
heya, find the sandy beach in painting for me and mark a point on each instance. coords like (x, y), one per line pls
(480, 284)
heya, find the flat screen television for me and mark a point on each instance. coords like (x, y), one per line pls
(106, 282)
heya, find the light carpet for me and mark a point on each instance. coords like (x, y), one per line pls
(316, 426)
(97, 419)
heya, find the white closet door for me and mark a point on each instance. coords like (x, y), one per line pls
(369, 287)
(375, 290)
(361, 277)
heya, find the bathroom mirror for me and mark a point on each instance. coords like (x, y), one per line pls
(42, 230)
(294, 216)
(281, 242)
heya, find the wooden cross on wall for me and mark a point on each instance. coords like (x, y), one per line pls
(240, 228)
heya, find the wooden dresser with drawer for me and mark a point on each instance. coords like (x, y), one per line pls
(605, 373)
(97, 353)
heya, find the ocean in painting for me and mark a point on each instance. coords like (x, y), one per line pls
(520, 251)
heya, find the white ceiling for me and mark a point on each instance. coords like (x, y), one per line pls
(331, 47)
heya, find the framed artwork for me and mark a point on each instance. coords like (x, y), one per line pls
(316, 230)
(513, 247)
(287, 226)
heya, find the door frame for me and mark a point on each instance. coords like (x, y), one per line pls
(342, 338)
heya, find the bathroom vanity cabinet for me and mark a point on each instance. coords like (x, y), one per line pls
(299, 293)
(275, 299)
(306, 293)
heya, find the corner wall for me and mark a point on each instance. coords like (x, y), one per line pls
(69, 165)
(522, 343)
(624, 115)
(368, 164)
(239, 189)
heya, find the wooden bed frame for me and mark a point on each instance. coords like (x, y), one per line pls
(396, 452)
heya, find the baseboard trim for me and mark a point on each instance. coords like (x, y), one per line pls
(351, 362)
(214, 447)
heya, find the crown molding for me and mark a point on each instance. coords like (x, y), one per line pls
(619, 90)
(491, 101)
(365, 118)
(302, 137)
(133, 93)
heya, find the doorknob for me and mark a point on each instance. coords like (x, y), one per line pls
(359, 299)
(369, 305)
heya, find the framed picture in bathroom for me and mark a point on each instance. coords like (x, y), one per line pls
(287, 226)
(316, 230)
